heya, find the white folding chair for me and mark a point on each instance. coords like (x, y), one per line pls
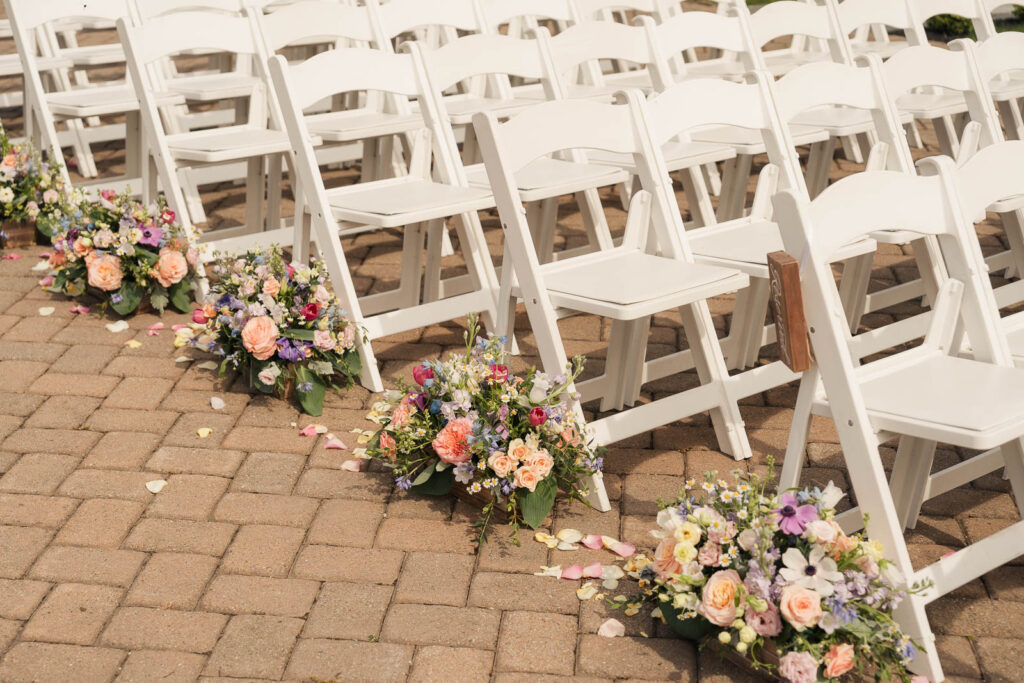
(867, 24)
(810, 24)
(414, 201)
(922, 396)
(45, 109)
(643, 285)
(1001, 61)
(521, 17)
(253, 142)
(433, 22)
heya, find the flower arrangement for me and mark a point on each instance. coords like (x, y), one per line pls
(756, 571)
(124, 252)
(506, 442)
(279, 325)
(32, 191)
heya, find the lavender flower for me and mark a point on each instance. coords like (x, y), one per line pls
(116, 298)
(404, 482)
(305, 387)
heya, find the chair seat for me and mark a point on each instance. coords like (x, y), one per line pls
(748, 141)
(212, 87)
(883, 49)
(932, 105)
(641, 283)
(93, 101)
(535, 91)
(781, 62)
(94, 55)
(461, 109)
(636, 78)
(952, 400)
(1007, 204)
(677, 155)
(746, 245)
(395, 202)
(546, 177)
(730, 69)
(360, 124)
(1010, 89)
(842, 121)
(227, 144)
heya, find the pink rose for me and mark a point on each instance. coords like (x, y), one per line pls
(192, 256)
(105, 273)
(322, 340)
(322, 296)
(798, 667)
(171, 267)
(400, 418)
(108, 194)
(80, 247)
(718, 597)
(451, 443)
(388, 446)
(259, 337)
(421, 373)
(271, 287)
(766, 623)
(800, 606)
(710, 554)
(665, 562)
(500, 463)
(867, 565)
(528, 477)
(199, 317)
(838, 660)
(348, 336)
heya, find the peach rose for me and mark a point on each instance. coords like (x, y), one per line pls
(80, 247)
(322, 339)
(665, 562)
(500, 463)
(271, 286)
(838, 661)
(171, 267)
(451, 443)
(542, 462)
(90, 256)
(528, 477)
(800, 606)
(259, 337)
(57, 258)
(388, 446)
(105, 273)
(518, 450)
(400, 417)
(718, 598)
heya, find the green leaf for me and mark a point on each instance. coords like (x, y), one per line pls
(300, 334)
(348, 364)
(424, 475)
(131, 297)
(535, 505)
(158, 298)
(179, 294)
(321, 367)
(438, 484)
(312, 401)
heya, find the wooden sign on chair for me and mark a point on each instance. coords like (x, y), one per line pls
(788, 310)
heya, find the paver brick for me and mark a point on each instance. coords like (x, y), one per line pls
(19, 547)
(63, 412)
(137, 628)
(87, 565)
(181, 536)
(178, 460)
(360, 565)
(115, 420)
(88, 483)
(262, 549)
(269, 473)
(140, 366)
(172, 581)
(100, 522)
(522, 592)
(265, 508)
(437, 663)
(8, 632)
(346, 522)
(145, 393)
(39, 473)
(327, 659)
(143, 666)
(63, 441)
(415, 534)
(72, 613)
(256, 646)
(537, 643)
(42, 352)
(84, 359)
(184, 400)
(19, 404)
(325, 483)
(62, 384)
(21, 373)
(28, 510)
(185, 432)
(188, 496)
(231, 594)
(269, 439)
(435, 579)
(441, 625)
(121, 451)
(35, 329)
(657, 658)
(348, 611)
(33, 662)
(18, 599)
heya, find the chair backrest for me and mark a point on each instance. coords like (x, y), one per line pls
(1000, 55)
(528, 12)
(566, 126)
(492, 55)
(803, 21)
(974, 10)
(686, 31)
(827, 84)
(395, 17)
(583, 46)
(990, 175)
(603, 10)
(183, 32)
(309, 20)
(30, 15)
(921, 66)
(149, 9)
(896, 14)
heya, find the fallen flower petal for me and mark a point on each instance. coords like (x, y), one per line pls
(586, 591)
(41, 266)
(592, 541)
(623, 549)
(592, 570)
(207, 365)
(612, 571)
(613, 628)
(562, 545)
(545, 538)
(44, 255)
(610, 584)
(334, 444)
(133, 344)
(10, 257)
(182, 359)
(119, 326)
(156, 486)
(179, 326)
(156, 326)
(352, 465)
(573, 573)
(569, 535)
(46, 310)
(555, 571)
(152, 333)
(204, 432)
(217, 403)
(80, 310)
(46, 282)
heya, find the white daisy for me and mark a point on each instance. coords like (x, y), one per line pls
(816, 571)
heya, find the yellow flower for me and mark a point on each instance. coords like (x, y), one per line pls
(684, 552)
(688, 533)
(873, 549)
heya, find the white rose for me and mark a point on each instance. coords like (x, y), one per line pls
(6, 195)
(820, 531)
(747, 539)
(269, 374)
(831, 496)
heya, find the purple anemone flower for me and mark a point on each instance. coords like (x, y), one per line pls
(793, 517)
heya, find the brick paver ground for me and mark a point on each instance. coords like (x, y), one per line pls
(263, 560)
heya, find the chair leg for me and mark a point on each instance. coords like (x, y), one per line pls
(760, 290)
(796, 446)
(930, 264)
(909, 478)
(819, 165)
(548, 222)
(274, 219)
(712, 178)
(596, 494)
(853, 288)
(432, 270)
(734, 189)
(634, 370)
(1010, 112)
(945, 131)
(734, 345)
(697, 197)
(410, 282)
(193, 199)
(300, 246)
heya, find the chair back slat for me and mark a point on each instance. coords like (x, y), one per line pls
(308, 19)
(483, 54)
(353, 69)
(32, 15)
(400, 16)
(183, 32)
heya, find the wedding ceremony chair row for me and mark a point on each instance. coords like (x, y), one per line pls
(927, 394)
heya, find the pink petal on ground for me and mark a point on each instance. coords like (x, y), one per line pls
(11, 257)
(80, 310)
(46, 281)
(592, 541)
(623, 549)
(156, 326)
(308, 430)
(612, 628)
(592, 570)
(152, 333)
(179, 326)
(44, 255)
(352, 465)
(573, 573)
(334, 444)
